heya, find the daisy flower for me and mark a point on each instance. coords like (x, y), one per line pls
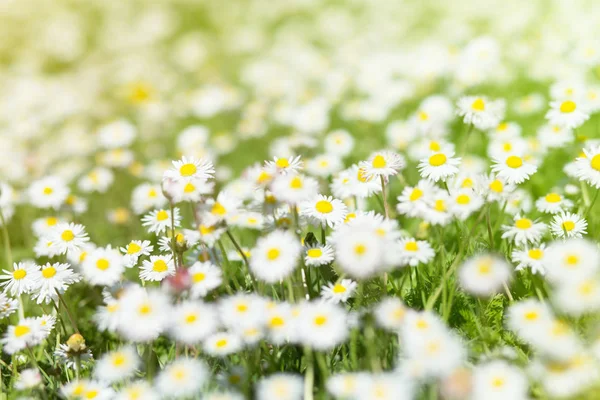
(555, 136)
(390, 313)
(67, 238)
(103, 266)
(318, 255)
(412, 252)
(484, 275)
(413, 200)
(338, 292)
(524, 230)
(324, 165)
(513, 169)
(134, 250)
(338, 142)
(7, 305)
(531, 257)
(587, 168)
(553, 203)
(117, 365)
(157, 268)
(221, 344)
(137, 390)
(294, 188)
(359, 253)
(437, 211)
(117, 134)
(322, 325)
(281, 386)
(439, 166)
(568, 113)
(572, 258)
(579, 296)
(383, 163)
(325, 210)
(190, 170)
(143, 314)
(146, 197)
(42, 226)
(498, 380)
(158, 221)
(480, 111)
(97, 180)
(21, 279)
(205, 276)
(566, 224)
(183, 378)
(17, 337)
(48, 192)
(28, 379)
(464, 202)
(192, 322)
(284, 165)
(275, 256)
(50, 279)
(354, 182)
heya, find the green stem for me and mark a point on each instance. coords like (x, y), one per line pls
(309, 376)
(227, 269)
(9, 258)
(64, 304)
(241, 252)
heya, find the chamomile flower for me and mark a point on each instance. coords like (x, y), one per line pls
(338, 292)
(204, 276)
(570, 225)
(50, 279)
(555, 136)
(390, 313)
(437, 211)
(143, 314)
(325, 210)
(97, 180)
(134, 250)
(354, 182)
(578, 296)
(192, 322)
(190, 170)
(498, 380)
(67, 238)
(553, 203)
(484, 275)
(281, 386)
(513, 169)
(568, 113)
(414, 252)
(103, 266)
(439, 166)
(25, 333)
(48, 192)
(158, 221)
(294, 188)
(221, 344)
(284, 165)
(413, 200)
(120, 133)
(571, 259)
(324, 165)
(530, 257)
(587, 168)
(117, 365)
(464, 202)
(480, 111)
(358, 252)
(21, 279)
(146, 197)
(338, 142)
(137, 390)
(318, 255)
(382, 163)
(42, 226)
(524, 230)
(183, 378)
(157, 268)
(28, 379)
(275, 256)
(322, 325)
(7, 305)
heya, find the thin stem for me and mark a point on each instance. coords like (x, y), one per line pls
(385, 201)
(173, 239)
(309, 376)
(71, 319)
(37, 366)
(227, 269)
(241, 252)
(466, 139)
(507, 290)
(592, 204)
(9, 258)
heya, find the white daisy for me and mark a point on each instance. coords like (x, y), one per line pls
(157, 268)
(567, 113)
(325, 210)
(439, 166)
(413, 252)
(134, 250)
(158, 221)
(284, 165)
(221, 344)
(21, 279)
(67, 238)
(190, 170)
(484, 275)
(339, 292)
(318, 255)
(103, 266)
(570, 225)
(553, 203)
(383, 163)
(275, 256)
(204, 276)
(531, 257)
(50, 279)
(588, 167)
(513, 169)
(480, 111)
(183, 378)
(524, 230)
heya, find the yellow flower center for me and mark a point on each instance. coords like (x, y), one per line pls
(568, 106)
(416, 194)
(437, 159)
(145, 309)
(497, 382)
(198, 277)
(467, 183)
(282, 163)
(484, 267)
(296, 183)
(273, 254)
(133, 248)
(218, 209)
(187, 170)
(338, 288)
(531, 315)
(190, 318)
(91, 394)
(189, 188)
(568, 225)
(478, 105)
(314, 253)
(102, 264)
(572, 260)
(502, 126)
(320, 320)
(423, 116)
(587, 288)
(67, 235)
(422, 324)
(595, 163)
(21, 330)
(434, 146)
(378, 161)
(360, 249)
(48, 272)
(159, 266)
(263, 177)
(276, 322)
(51, 221)
(553, 198)
(152, 193)
(242, 308)
(514, 161)
(324, 207)
(523, 223)
(536, 254)
(361, 175)
(162, 215)
(48, 190)
(496, 186)
(507, 146)
(463, 199)
(118, 359)
(19, 274)
(206, 230)
(440, 206)
(411, 246)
